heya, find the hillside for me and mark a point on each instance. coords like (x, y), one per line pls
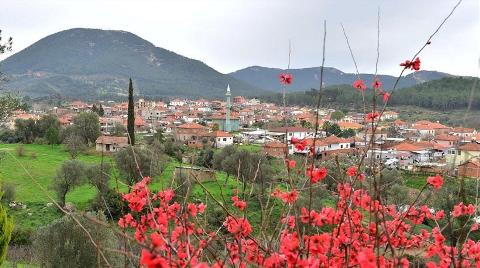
(450, 93)
(91, 63)
(307, 78)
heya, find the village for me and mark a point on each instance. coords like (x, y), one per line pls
(420, 146)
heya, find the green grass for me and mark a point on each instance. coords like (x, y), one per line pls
(415, 181)
(8, 264)
(24, 171)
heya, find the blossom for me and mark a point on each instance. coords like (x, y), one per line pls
(352, 171)
(316, 174)
(240, 204)
(386, 96)
(285, 78)
(372, 116)
(436, 181)
(289, 197)
(290, 163)
(413, 65)
(360, 85)
(300, 144)
(239, 227)
(377, 84)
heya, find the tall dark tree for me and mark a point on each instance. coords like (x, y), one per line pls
(131, 114)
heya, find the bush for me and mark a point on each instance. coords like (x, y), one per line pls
(65, 244)
(33, 155)
(21, 237)
(8, 192)
(21, 150)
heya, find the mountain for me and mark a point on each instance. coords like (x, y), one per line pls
(92, 63)
(307, 78)
(445, 94)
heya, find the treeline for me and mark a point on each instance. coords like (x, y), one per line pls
(444, 94)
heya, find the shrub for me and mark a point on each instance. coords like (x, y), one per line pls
(21, 237)
(65, 244)
(8, 192)
(20, 150)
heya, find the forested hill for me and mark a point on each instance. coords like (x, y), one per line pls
(444, 94)
(305, 78)
(93, 63)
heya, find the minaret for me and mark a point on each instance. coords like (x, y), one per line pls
(228, 127)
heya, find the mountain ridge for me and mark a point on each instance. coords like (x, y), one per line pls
(95, 63)
(307, 78)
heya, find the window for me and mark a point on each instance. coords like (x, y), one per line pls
(290, 134)
(218, 139)
(224, 139)
(341, 146)
(459, 153)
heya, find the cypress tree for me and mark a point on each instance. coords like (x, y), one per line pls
(131, 114)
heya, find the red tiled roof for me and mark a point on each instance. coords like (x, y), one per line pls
(406, 147)
(290, 129)
(219, 133)
(473, 146)
(445, 137)
(112, 140)
(191, 126)
(334, 140)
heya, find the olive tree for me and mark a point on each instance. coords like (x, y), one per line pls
(70, 175)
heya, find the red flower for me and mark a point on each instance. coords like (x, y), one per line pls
(386, 96)
(290, 163)
(435, 181)
(285, 78)
(240, 204)
(360, 85)
(352, 171)
(317, 174)
(300, 145)
(289, 197)
(413, 65)
(377, 84)
(372, 116)
(239, 227)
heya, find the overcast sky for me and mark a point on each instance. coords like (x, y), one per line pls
(232, 34)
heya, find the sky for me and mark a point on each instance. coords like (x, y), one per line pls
(233, 34)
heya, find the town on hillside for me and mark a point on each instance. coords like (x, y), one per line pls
(417, 146)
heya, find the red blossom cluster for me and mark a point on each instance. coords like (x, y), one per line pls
(300, 144)
(285, 78)
(413, 65)
(339, 236)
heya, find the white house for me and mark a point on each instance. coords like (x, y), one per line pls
(292, 132)
(222, 139)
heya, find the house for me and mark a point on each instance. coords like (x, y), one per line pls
(463, 153)
(192, 134)
(292, 132)
(429, 129)
(447, 140)
(110, 143)
(465, 133)
(221, 120)
(471, 168)
(222, 139)
(275, 149)
(389, 115)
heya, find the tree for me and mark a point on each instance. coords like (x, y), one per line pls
(46, 122)
(331, 128)
(134, 163)
(70, 175)
(347, 133)
(73, 142)
(8, 102)
(159, 135)
(337, 115)
(101, 112)
(131, 114)
(53, 136)
(118, 129)
(98, 175)
(64, 243)
(215, 127)
(205, 158)
(87, 126)
(27, 130)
